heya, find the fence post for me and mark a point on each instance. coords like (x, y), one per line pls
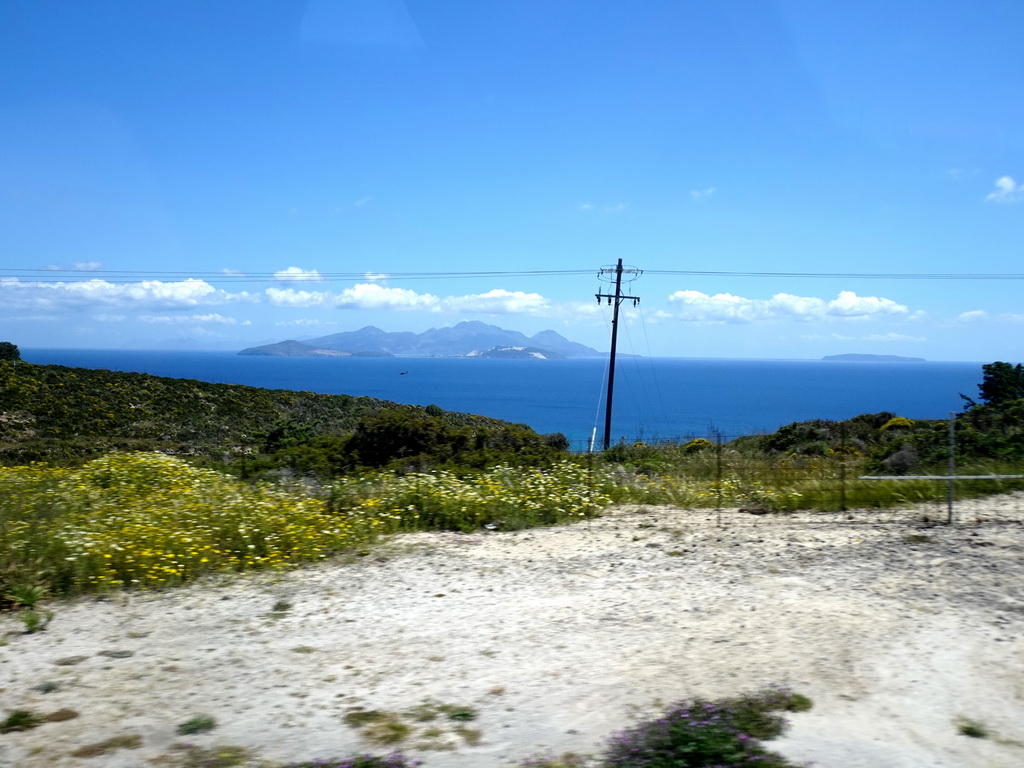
(842, 466)
(718, 475)
(951, 467)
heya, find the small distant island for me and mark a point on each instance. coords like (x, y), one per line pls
(855, 358)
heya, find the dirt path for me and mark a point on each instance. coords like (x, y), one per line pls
(555, 637)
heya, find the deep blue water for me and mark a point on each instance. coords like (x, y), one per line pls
(654, 397)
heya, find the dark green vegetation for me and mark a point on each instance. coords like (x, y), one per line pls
(1001, 383)
(989, 432)
(67, 415)
(20, 720)
(817, 464)
(198, 724)
(9, 351)
(698, 733)
(702, 733)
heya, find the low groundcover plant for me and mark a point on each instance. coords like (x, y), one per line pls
(393, 760)
(699, 734)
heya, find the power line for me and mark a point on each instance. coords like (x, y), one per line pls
(127, 275)
(84, 275)
(848, 275)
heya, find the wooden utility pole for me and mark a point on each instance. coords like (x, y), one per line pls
(614, 299)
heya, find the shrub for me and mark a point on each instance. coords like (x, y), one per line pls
(897, 422)
(699, 734)
(9, 351)
(902, 462)
(698, 444)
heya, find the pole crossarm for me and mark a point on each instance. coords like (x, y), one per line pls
(610, 296)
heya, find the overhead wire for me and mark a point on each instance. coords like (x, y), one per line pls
(313, 276)
(641, 400)
(601, 390)
(650, 363)
(846, 275)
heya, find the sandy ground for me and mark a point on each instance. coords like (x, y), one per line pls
(558, 637)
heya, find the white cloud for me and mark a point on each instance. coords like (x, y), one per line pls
(362, 201)
(1006, 191)
(232, 272)
(695, 306)
(289, 297)
(974, 314)
(91, 294)
(700, 194)
(499, 302)
(850, 305)
(586, 207)
(376, 277)
(304, 321)
(373, 296)
(886, 337)
(214, 318)
(77, 266)
(294, 273)
(979, 315)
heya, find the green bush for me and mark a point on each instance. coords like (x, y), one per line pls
(9, 351)
(706, 734)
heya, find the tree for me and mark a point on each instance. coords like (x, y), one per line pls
(1001, 383)
(9, 351)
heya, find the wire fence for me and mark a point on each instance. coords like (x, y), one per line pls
(833, 484)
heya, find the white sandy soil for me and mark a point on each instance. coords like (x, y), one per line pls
(558, 637)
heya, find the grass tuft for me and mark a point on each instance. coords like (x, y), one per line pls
(198, 724)
(20, 720)
(972, 728)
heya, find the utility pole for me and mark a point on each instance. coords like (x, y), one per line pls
(617, 297)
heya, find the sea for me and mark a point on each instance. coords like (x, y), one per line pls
(654, 399)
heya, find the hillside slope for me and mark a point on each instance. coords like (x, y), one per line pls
(52, 412)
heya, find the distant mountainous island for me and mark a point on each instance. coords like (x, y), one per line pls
(855, 358)
(466, 339)
(292, 348)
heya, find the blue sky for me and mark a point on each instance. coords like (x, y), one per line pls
(243, 172)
